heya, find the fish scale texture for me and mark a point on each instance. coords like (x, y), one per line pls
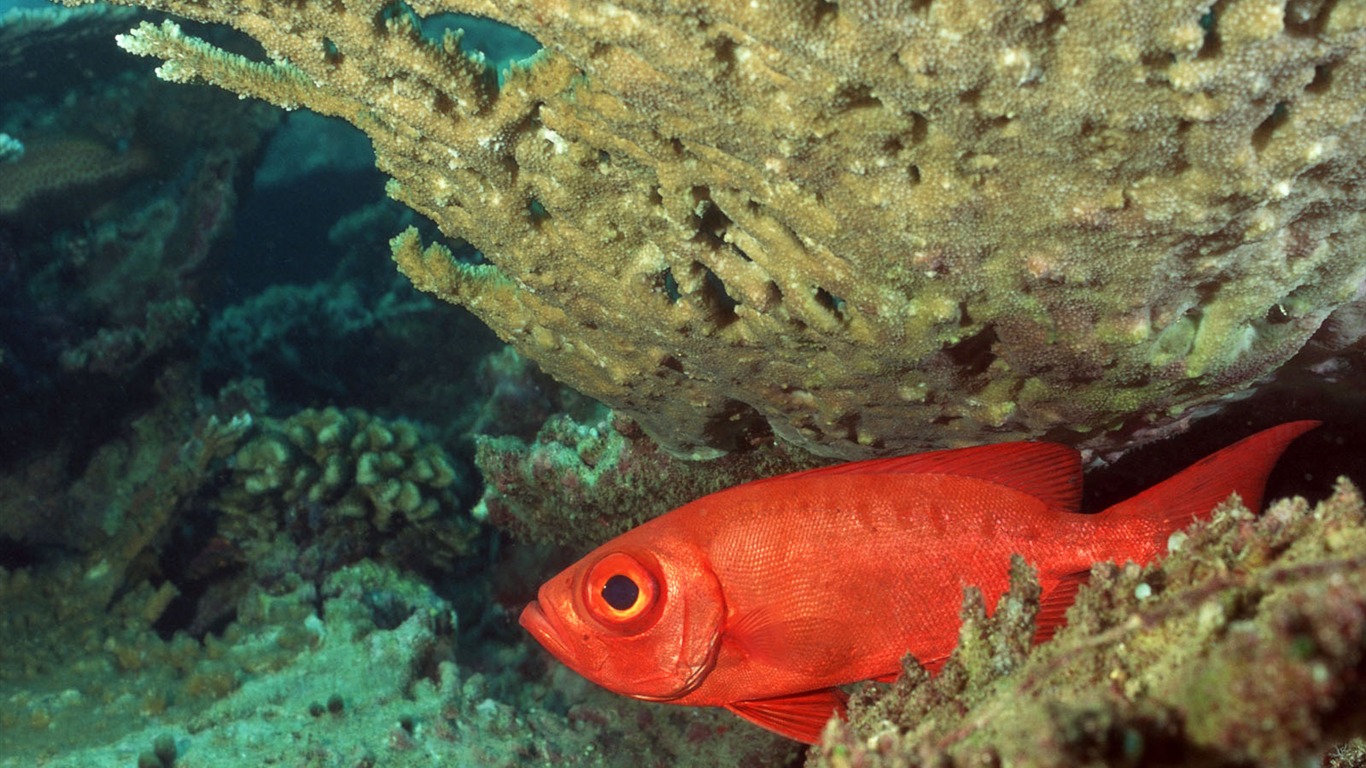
(837, 554)
(865, 227)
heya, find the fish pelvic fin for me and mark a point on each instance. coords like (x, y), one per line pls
(800, 716)
(1053, 605)
(1241, 468)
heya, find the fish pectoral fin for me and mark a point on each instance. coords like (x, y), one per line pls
(1053, 606)
(801, 716)
(770, 635)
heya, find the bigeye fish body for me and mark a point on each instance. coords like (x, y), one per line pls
(765, 597)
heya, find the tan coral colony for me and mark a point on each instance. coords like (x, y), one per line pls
(869, 227)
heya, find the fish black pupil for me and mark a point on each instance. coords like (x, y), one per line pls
(620, 592)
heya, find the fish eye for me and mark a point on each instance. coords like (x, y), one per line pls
(621, 592)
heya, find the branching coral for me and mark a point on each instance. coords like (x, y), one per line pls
(866, 226)
(1246, 645)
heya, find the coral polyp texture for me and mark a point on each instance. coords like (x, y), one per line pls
(865, 226)
(350, 483)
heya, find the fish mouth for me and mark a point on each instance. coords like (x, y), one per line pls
(535, 621)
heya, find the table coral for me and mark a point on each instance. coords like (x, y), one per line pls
(865, 226)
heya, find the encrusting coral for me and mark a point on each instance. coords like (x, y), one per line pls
(865, 226)
(583, 483)
(1246, 645)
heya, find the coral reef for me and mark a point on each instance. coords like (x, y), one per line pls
(195, 567)
(116, 351)
(1245, 646)
(867, 227)
(192, 573)
(352, 336)
(583, 483)
(360, 670)
(109, 224)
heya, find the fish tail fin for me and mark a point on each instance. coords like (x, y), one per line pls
(1241, 468)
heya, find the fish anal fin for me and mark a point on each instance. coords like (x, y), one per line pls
(800, 716)
(1049, 472)
(913, 665)
(1053, 605)
(935, 664)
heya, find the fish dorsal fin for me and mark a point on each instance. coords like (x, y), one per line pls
(1053, 606)
(1049, 472)
(800, 716)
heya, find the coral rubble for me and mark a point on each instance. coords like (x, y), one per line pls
(864, 226)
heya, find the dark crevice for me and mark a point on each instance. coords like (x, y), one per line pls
(331, 53)
(14, 555)
(854, 97)
(720, 304)
(737, 427)
(1323, 79)
(831, 302)
(666, 283)
(826, 10)
(1307, 18)
(537, 211)
(974, 355)
(711, 219)
(723, 51)
(848, 424)
(1262, 135)
(1209, 22)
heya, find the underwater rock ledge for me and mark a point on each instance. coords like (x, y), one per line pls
(1246, 645)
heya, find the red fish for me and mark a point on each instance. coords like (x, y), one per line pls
(763, 598)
